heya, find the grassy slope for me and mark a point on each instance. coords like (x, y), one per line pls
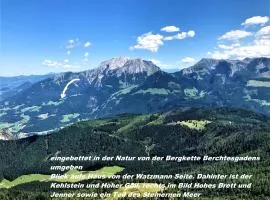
(195, 124)
(106, 171)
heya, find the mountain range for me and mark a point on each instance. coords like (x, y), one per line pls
(11, 85)
(123, 85)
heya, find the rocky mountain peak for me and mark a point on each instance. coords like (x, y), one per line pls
(203, 66)
(125, 65)
(114, 63)
(139, 65)
(208, 62)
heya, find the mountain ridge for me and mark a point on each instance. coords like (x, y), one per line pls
(122, 85)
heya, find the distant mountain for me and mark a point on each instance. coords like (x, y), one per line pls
(41, 108)
(121, 85)
(11, 85)
(209, 83)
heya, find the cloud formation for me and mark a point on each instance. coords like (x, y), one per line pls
(158, 63)
(223, 46)
(72, 43)
(85, 56)
(264, 33)
(188, 60)
(153, 42)
(87, 44)
(230, 45)
(257, 47)
(170, 29)
(149, 41)
(235, 35)
(51, 63)
(180, 36)
(255, 20)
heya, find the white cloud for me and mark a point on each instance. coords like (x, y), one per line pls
(258, 47)
(235, 35)
(255, 20)
(223, 46)
(170, 29)
(51, 63)
(180, 36)
(219, 54)
(72, 43)
(153, 42)
(149, 41)
(158, 63)
(188, 60)
(87, 44)
(66, 60)
(264, 33)
(58, 64)
(191, 33)
(85, 56)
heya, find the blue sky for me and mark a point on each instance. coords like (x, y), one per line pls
(38, 37)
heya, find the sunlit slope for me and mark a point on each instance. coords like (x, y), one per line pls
(105, 171)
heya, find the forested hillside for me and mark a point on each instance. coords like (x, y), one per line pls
(212, 132)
